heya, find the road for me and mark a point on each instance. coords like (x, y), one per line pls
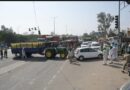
(39, 74)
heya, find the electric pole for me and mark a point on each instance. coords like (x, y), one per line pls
(66, 29)
(54, 24)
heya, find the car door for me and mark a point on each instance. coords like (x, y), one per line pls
(84, 52)
(92, 53)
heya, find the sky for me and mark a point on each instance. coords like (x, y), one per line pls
(71, 17)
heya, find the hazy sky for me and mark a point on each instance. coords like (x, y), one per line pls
(72, 17)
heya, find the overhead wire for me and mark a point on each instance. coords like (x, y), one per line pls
(36, 21)
(124, 6)
(35, 13)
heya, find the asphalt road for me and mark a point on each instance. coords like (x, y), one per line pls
(37, 73)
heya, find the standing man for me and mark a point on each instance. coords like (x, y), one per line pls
(127, 60)
(5, 52)
(116, 51)
(1, 53)
(113, 54)
(105, 54)
(71, 55)
(23, 53)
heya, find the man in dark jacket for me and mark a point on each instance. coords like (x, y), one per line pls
(1, 53)
(5, 51)
(127, 58)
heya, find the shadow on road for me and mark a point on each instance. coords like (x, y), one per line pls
(76, 63)
(90, 60)
(116, 65)
(31, 59)
(57, 59)
(37, 59)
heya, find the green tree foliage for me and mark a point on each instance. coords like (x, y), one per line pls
(105, 21)
(111, 33)
(93, 35)
(124, 34)
(86, 37)
(8, 36)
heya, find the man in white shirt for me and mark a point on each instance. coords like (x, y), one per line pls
(23, 53)
(113, 53)
(71, 55)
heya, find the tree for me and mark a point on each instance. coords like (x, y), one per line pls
(93, 35)
(124, 33)
(105, 21)
(85, 34)
(111, 33)
(86, 37)
(8, 36)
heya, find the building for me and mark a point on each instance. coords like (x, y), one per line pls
(49, 38)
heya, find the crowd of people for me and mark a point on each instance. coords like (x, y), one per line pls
(110, 53)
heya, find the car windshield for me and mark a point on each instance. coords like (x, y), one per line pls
(85, 43)
(95, 45)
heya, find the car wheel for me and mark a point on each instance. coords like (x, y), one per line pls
(81, 58)
(100, 56)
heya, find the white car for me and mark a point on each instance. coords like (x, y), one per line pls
(96, 45)
(86, 52)
(85, 44)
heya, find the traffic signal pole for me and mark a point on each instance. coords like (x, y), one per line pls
(119, 28)
(119, 19)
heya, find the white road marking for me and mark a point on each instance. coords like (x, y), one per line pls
(55, 75)
(11, 67)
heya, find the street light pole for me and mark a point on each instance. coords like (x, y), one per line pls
(66, 29)
(54, 25)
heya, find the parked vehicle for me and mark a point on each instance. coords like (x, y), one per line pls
(49, 49)
(86, 44)
(96, 45)
(87, 52)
